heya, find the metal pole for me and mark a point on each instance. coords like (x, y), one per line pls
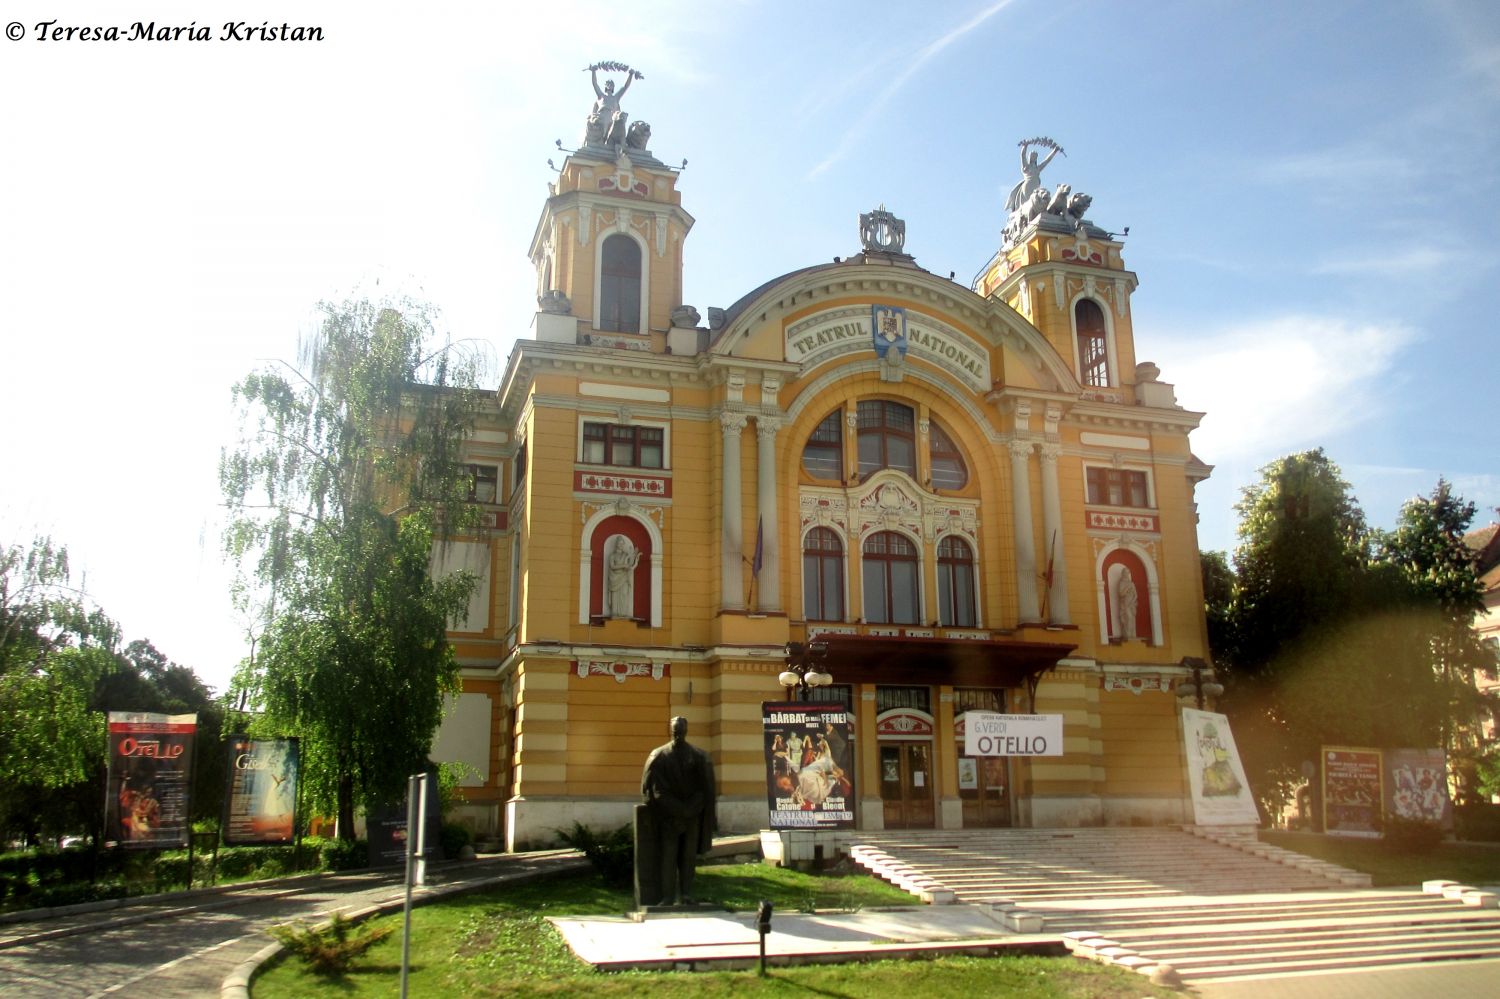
(411, 811)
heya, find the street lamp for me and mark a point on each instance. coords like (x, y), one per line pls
(1198, 688)
(806, 666)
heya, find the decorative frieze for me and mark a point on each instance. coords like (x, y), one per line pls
(1114, 520)
(1135, 684)
(823, 510)
(621, 671)
(625, 485)
(887, 507)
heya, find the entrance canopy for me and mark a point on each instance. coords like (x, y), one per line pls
(908, 661)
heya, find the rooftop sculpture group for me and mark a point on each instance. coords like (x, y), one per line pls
(1030, 201)
(607, 125)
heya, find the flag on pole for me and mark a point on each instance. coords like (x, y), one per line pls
(759, 559)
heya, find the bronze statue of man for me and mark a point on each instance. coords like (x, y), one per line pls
(678, 789)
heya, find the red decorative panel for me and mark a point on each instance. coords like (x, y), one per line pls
(622, 485)
(1110, 520)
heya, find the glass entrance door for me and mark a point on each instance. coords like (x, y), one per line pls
(906, 785)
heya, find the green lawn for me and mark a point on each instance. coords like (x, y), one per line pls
(1471, 864)
(498, 943)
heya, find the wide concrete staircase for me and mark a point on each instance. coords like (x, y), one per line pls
(1180, 906)
(1020, 865)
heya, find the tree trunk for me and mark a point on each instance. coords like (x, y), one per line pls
(346, 806)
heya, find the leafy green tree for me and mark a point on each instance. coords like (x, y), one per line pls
(54, 650)
(1323, 644)
(1441, 575)
(347, 474)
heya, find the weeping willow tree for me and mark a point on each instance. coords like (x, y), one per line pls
(346, 474)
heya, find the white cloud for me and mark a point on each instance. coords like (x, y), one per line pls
(916, 62)
(1273, 385)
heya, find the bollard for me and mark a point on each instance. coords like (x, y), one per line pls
(762, 924)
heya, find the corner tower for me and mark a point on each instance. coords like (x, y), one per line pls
(608, 247)
(1066, 276)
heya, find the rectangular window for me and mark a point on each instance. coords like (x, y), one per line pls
(624, 446)
(1118, 487)
(484, 483)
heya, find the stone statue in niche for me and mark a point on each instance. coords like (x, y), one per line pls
(619, 590)
(1127, 601)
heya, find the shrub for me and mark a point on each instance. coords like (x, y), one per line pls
(455, 837)
(1478, 821)
(1411, 836)
(331, 948)
(344, 855)
(612, 854)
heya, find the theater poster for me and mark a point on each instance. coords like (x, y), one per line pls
(260, 804)
(1216, 777)
(1416, 786)
(1351, 791)
(150, 772)
(809, 765)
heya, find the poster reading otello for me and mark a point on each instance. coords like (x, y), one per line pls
(809, 772)
(261, 803)
(1221, 794)
(146, 793)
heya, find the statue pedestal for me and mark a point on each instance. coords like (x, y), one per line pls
(647, 863)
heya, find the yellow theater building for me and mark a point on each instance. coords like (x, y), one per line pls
(978, 497)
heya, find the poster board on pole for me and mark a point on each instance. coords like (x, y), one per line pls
(260, 800)
(147, 790)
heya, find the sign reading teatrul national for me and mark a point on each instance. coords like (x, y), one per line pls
(260, 804)
(809, 765)
(987, 733)
(146, 792)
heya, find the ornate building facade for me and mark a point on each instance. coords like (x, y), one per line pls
(976, 498)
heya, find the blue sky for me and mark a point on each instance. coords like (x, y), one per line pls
(1311, 191)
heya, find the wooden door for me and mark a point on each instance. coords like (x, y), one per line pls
(907, 785)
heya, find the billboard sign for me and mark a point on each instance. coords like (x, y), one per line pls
(987, 733)
(147, 790)
(809, 765)
(1216, 777)
(1351, 791)
(260, 803)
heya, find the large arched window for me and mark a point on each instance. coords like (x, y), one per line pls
(948, 468)
(620, 285)
(955, 579)
(887, 437)
(823, 457)
(1093, 343)
(822, 576)
(891, 574)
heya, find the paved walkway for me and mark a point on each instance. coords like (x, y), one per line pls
(1445, 979)
(729, 940)
(183, 946)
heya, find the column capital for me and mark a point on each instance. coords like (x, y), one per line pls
(1021, 449)
(767, 427)
(733, 423)
(1051, 451)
